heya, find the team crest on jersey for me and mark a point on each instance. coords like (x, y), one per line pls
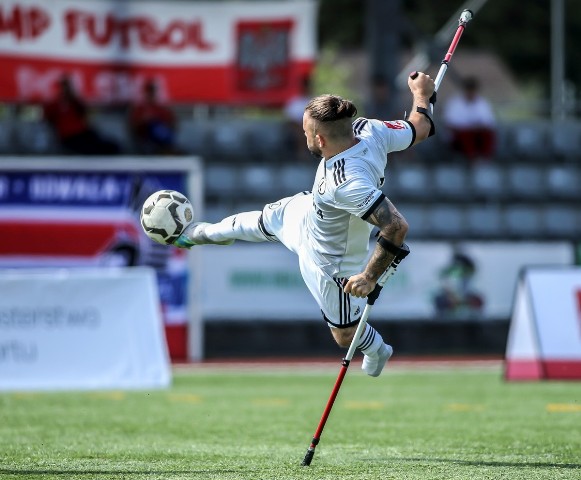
(322, 186)
(397, 125)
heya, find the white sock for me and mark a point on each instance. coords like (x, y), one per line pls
(370, 341)
(242, 226)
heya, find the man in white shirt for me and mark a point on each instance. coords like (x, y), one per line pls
(329, 228)
(471, 122)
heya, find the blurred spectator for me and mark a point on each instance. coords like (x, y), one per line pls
(67, 115)
(379, 103)
(456, 296)
(293, 111)
(152, 124)
(471, 122)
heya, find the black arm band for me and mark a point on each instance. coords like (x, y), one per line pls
(413, 129)
(425, 112)
(392, 247)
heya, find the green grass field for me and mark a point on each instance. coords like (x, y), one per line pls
(455, 423)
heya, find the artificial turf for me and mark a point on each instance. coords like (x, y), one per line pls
(458, 423)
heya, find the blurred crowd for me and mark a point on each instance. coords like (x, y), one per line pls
(151, 126)
(479, 177)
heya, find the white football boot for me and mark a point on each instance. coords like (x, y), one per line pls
(194, 234)
(373, 365)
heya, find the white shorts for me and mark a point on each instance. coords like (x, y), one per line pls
(285, 221)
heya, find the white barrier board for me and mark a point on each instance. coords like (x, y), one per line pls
(545, 331)
(81, 329)
(263, 281)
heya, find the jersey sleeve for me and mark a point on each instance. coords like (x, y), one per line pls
(397, 134)
(358, 196)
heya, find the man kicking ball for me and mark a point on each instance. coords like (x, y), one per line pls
(329, 228)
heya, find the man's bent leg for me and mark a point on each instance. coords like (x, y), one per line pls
(280, 221)
(376, 352)
(342, 313)
(247, 226)
(286, 219)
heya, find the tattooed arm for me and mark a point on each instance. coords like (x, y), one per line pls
(393, 227)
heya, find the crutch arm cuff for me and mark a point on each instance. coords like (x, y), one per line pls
(392, 247)
(426, 113)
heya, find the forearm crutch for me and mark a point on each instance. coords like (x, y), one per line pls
(371, 298)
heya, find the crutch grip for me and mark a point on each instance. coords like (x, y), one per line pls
(374, 295)
(433, 99)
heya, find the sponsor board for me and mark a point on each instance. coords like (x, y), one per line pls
(81, 329)
(263, 281)
(545, 331)
(80, 213)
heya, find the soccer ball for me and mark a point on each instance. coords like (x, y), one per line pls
(165, 215)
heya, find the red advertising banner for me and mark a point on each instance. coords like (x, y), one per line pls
(198, 52)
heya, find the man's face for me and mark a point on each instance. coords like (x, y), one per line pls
(312, 143)
(65, 87)
(470, 94)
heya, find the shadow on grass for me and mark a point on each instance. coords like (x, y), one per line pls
(478, 463)
(6, 471)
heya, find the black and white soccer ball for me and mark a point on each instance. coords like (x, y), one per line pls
(165, 215)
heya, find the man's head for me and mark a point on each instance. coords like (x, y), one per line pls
(327, 123)
(380, 91)
(150, 90)
(65, 87)
(470, 87)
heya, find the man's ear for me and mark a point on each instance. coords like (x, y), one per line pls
(320, 140)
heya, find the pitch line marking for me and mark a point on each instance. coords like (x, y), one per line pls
(24, 395)
(359, 405)
(108, 395)
(185, 398)
(270, 402)
(465, 407)
(563, 407)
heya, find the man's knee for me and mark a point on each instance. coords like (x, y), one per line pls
(343, 336)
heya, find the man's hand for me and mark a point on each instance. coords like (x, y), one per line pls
(422, 86)
(359, 285)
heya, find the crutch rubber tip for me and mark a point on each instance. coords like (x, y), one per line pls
(308, 457)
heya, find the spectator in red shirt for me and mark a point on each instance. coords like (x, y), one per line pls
(67, 115)
(152, 124)
(471, 122)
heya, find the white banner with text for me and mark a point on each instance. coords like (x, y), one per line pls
(81, 329)
(225, 52)
(437, 280)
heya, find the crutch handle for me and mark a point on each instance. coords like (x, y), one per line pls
(374, 295)
(433, 98)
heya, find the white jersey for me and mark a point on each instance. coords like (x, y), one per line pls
(347, 190)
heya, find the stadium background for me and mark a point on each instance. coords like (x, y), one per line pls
(525, 200)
